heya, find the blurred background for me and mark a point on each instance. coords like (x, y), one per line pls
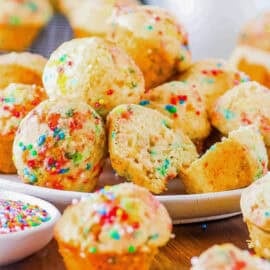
(212, 25)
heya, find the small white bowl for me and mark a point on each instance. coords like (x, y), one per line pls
(18, 245)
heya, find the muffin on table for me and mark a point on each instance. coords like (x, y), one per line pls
(255, 206)
(146, 148)
(21, 21)
(94, 70)
(233, 163)
(248, 103)
(252, 54)
(183, 105)
(118, 227)
(228, 257)
(91, 17)
(212, 77)
(25, 68)
(16, 100)
(154, 39)
(60, 144)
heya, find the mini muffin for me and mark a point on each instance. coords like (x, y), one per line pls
(16, 101)
(183, 104)
(145, 148)
(255, 206)
(25, 68)
(233, 163)
(21, 21)
(154, 39)
(91, 17)
(245, 104)
(252, 54)
(213, 77)
(228, 257)
(60, 144)
(93, 70)
(118, 227)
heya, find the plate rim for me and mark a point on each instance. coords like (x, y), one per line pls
(160, 197)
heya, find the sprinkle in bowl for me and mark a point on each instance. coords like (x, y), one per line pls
(26, 225)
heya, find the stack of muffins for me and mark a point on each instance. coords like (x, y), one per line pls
(127, 90)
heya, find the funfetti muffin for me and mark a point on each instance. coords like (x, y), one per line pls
(25, 68)
(16, 101)
(183, 104)
(91, 17)
(233, 163)
(212, 77)
(93, 70)
(154, 39)
(21, 21)
(252, 54)
(255, 206)
(245, 104)
(118, 227)
(228, 257)
(60, 144)
(145, 148)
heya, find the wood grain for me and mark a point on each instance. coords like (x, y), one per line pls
(190, 240)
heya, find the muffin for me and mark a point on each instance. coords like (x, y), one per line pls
(93, 70)
(255, 206)
(213, 77)
(154, 39)
(183, 104)
(63, 149)
(145, 148)
(118, 227)
(91, 17)
(25, 68)
(16, 101)
(245, 104)
(252, 54)
(21, 21)
(233, 163)
(228, 257)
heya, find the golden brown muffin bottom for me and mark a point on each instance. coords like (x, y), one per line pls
(18, 74)
(256, 72)
(6, 162)
(81, 33)
(157, 66)
(133, 261)
(17, 38)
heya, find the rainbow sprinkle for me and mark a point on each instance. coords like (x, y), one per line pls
(17, 216)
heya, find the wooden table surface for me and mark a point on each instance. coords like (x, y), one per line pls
(190, 240)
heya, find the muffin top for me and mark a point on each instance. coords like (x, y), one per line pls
(16, 101)
(25, 12)
(247, 103)
(93, 15)
(94, 70)
(64, 146)
(255, 203)
(119, 219)
(213, 77)
(228, 257)
(256, 33)
(183, 104)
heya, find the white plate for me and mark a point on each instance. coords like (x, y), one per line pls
(18, 245)
(183, 208)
